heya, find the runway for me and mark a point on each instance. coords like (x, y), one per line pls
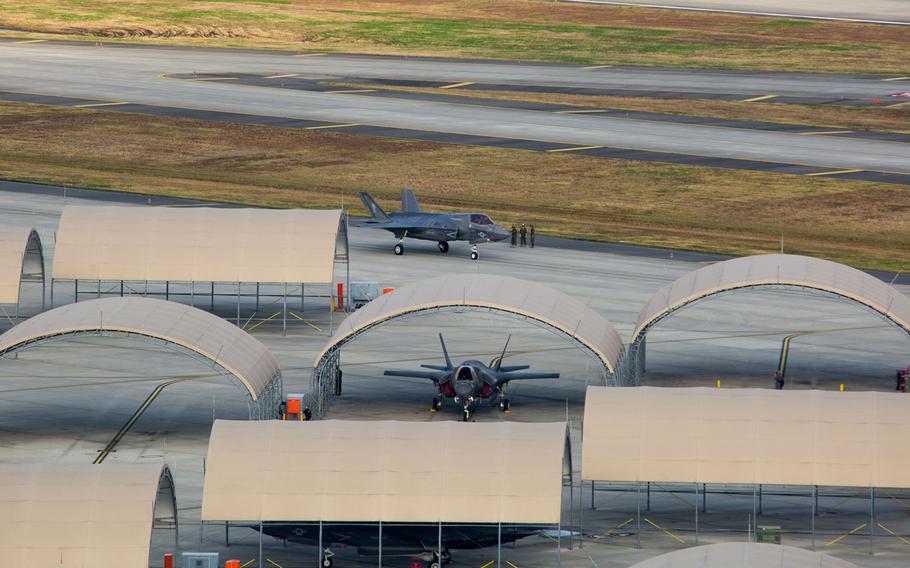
(894, 12)
(140, 76)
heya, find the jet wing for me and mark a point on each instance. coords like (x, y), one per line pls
(522, 376)
(512, 368)
(434, 376)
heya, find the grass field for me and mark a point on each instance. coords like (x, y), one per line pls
(852, 118)
(508, 29)
(740, 212)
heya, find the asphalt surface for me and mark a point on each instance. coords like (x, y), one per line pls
(137, 75)
(870, 11)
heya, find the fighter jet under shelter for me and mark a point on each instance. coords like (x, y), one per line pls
(472, 382)
(411, 222)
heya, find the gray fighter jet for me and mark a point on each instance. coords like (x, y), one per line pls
(472, 382)
(411, 222)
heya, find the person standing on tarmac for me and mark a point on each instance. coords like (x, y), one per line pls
(524, 235)
(514, 236)
(307, 413)
(533, 235)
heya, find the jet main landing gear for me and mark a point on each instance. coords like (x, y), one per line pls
(504, 405)
(443, 247)
(399, 249)
(435, 406)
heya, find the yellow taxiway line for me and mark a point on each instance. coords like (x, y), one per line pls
(349, 91)
(281, 76)
(332, 126)
(580, 111)
(573, 149)
(834, 173)
(896, 79)
(28, 41)
(592, 67)
(898, 105)
(756, 99)
(821, 133)
(100, 105)
(456, 85)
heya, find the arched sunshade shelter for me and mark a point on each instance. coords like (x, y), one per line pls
(378, 471)
(83, 515)
(744, 555)
(195, 331)
(21, 260)
(780, 270)
(201, 245)
(500, 294)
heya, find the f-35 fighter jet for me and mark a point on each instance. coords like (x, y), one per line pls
(413, 223)
(472, 382)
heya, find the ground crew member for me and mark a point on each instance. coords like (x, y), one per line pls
(778, 381)
(514, 236)
(533, 235)
(524, 235)
(282, 410)
(307, 414)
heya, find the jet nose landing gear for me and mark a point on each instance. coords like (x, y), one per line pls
(474, 254)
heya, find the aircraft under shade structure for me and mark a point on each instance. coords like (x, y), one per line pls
(472, 382)
(443, 228)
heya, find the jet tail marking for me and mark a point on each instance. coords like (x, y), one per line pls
(373, 207)
(409, 201)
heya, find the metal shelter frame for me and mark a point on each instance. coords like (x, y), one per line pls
(290, 290)
(566, 481)
(262, 406)
(325, 381)
(32, 268)
(636, 356)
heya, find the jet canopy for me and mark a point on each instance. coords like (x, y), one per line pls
(481, 219)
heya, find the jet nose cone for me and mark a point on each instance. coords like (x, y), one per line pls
(500, 234)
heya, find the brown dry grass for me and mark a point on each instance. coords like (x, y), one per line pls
(851, 118)
(512, 29)
(740, 212)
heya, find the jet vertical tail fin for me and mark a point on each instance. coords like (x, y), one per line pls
(375, 210)
(409, 201)
(445, 352)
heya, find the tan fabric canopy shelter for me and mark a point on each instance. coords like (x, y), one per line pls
(81, 516)
(333, 470)
(21, 259)
(708, 435)
(199, 244)
(744, 555)
(209, 336)
(776, 270)
(497, 293)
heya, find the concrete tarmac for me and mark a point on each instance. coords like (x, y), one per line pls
(134, 75)
(62, 402)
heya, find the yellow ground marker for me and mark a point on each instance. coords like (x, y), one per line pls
(846, 534)
(665, 531)
(100, 105)
(592, 67)
(488, 564)
(896, 79)
(307, 54)
(761, 98)
(331, 126)
(350, 91)
(456, 85)
(574, 148)
(834, 173)
(580, 111)
(281, 76)
(314, 326)
(248, 563)
(892, 533)
(825, 132)
(898, 105)
(214, 79)
(273, 563)
(29, 41)
(510, 564)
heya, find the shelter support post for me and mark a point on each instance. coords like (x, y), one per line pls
(212, 303)
(704, 497)
(380, 545)
(592, 496)
(121, 288)
(872, 520)
(439, 547)
(238, 304)
(99, 288)
(814, 512)
(76, 290)
(284, 308)
(759, 500)
(302, 294)
(696, 514)
(648, 496)
(167, 289)
(499, 545)
(227, 536)
(319, 548)
(52, 293)
(257, 295)
(638, 517)
(260, 543)
(754, 524)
